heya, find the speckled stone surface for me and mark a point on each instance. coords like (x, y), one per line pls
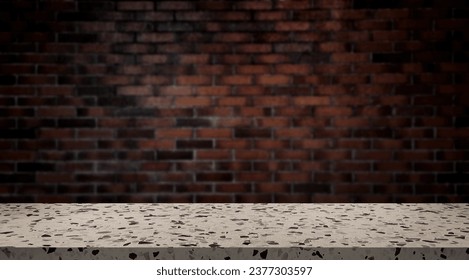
(234, 231)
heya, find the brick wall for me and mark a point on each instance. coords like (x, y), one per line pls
(234, 101)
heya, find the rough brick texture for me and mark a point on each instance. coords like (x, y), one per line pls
(234, 101)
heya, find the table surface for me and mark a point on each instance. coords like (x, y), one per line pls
(234, 225)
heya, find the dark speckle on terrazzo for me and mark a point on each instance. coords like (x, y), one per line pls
(95, 252)
(132, 256)
(263, 254)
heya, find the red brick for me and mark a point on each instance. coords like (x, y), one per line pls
(250, 5)
(286, 154)
(332, 155)
(194, 59)
(214, 133)
(308, 36)
(349, 57)
(273, 122)
(253, 177)
(252, 69)
(311, 15)
(332, 90)
(233, 37)
(252, 154)
(175, 90)
(156, 144)
(135, 90)
(156, 37)
(192, 101)
(292, 4)
(253, 48)
(272, 79)
(293, 133)
(135, 5)
(272, 101)
(292, 26)
(203, 69)
(271, 58)
(394, 35)
(174, 5)
(311, 100)
(194, 80)
(336, 5)
(57, 112)
(159, 102)
(153, 59)
(235, 80)
(292, 47)
(333, 111)
(232, 101)
(311, 144)
(390, 78)
(293, 177)
(271, 15)
(296, 69)
(271, 144)
(174, 133)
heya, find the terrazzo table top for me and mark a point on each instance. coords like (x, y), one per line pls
(234, 231)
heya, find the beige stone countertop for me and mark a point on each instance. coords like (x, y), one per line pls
(234, 231)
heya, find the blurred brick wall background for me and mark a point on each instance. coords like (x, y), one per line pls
(234, 101)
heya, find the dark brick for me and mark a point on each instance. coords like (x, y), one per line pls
(17, 133)
(135, 133)
(117, 101)
(95, 91)
(214, 177)
(77, 123)
(79, 38)
(194, 144)
(7, 80)
(252, 133)
(174, 155)
(18, 178)
(35, 166)
(312, 188)
(392, 57)
(78, 16)
(461, 122)
(373, 4)
(97, 6)
(135, 112)
(453, 178)
(193, 122)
